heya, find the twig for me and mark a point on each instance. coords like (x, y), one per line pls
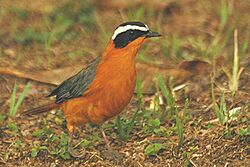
(191, 161)
(3, 160)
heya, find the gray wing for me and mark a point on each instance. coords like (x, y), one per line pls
(76, 85)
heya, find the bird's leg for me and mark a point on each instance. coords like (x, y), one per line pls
(111, 153)
(106, 140)
(77, 131)
(71, 150)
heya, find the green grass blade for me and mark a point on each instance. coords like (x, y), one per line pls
(245, 45)
(222, 109)
(168, 95)
(217, 109)
(120, 129)
(12, 101)
(224, 14)
(131, 123)
(21, 98)
(179, 126)
(139, 93)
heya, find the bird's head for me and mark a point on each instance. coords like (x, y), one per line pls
(131, 34)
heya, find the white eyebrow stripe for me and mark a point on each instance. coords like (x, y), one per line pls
(128, 27)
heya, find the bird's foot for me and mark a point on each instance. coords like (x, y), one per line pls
(71, 149)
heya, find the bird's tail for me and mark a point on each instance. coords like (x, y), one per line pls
(41, 109)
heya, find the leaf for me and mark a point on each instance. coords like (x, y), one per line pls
(52, 139)
(245, 132)
(43, 148)
(12, 126)
(221, 110)
(54, 152)
(154, 123)
(162, 131)
(65, 156)
(38, 133)
(34, 152)
(153, 149)
(64, 140)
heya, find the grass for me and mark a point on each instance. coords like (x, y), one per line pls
(153, 149)
(57, 143)
(121, 129)
(224, 13)
(124, 128)
(245, 131)
(180, 119)
(36, 149)
(245, 45)
(168, 95)
(176, 48)
(173, 113)
(30, 35)
(236, 71)
(150, 119)
(15, 105)
(173, 47)
(221, 110)
(12, 127)
(226, 116)
(51, 29)
(135, 15)
(2, 117)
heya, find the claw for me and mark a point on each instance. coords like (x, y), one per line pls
(71, 150)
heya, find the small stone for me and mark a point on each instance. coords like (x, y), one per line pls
(208, 147)
(127, 154)
(76, 162)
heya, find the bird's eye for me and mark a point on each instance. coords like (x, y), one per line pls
(131, 33)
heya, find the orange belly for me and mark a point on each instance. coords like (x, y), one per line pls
(98, 107)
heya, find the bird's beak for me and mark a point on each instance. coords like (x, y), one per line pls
(151, 34)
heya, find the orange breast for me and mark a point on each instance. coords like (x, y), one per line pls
(110, 91)
(114, 86)
(107, 96)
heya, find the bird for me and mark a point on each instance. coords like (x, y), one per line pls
(105, 87)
